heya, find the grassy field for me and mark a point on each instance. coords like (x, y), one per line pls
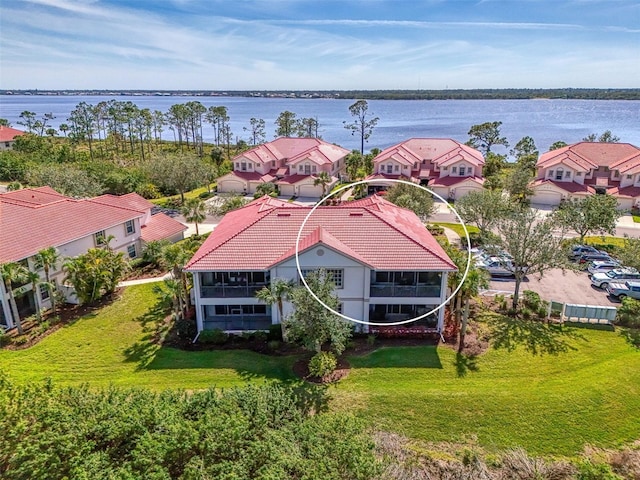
(546, 404)
(456, 227)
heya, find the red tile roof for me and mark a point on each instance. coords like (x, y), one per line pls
(132, 201)
(33, 196)
(159, 227)
(250, 176)
(7, 133)
(450, 180)
(294, 149)
(26, 228)
(438, 150)
(591, 154)
(630, 192)
(571, 187)
(371, 230)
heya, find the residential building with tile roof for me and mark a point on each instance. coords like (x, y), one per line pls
(588, 168)
(33, 219)
(293, 164)
(8, 136)
(446, 166)
(386, 265)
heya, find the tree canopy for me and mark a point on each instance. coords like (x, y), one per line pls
(412, 198)
(486, 135)
(594, 213)
(363, 124)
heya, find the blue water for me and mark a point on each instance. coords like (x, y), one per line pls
(547, 121)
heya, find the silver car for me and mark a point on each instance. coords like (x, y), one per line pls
(602, 266)
(496, 266)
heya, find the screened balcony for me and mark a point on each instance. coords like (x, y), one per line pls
(232, 284)
(237, 317)
(405, 284)
(385, 313)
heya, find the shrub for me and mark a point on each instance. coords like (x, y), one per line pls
(628, 314)
(595, 471)
(4, 338)
(43, 327)
(205, 195)
(274, 345)
(186, 328)
(21, 340)
(260, 336)
(213, 337)
(371, 340)
(435, 229)
(322, 363)
(275, 332)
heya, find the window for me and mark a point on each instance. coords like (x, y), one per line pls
(559, 173)
(578, 174)
(307, 169)
(130, 227)
(469, 170)
(336, 275)
(404, 167)
(390, 168)
(44, 291)
(567, 174)
(445, 168)
(396, 168)
(313, 169)
(550, 173)
(629, 177)
(236, 309)
(616, 174)
(99, 238)
(273, 164)
(299, 168)
(415, 165)
(7, 144)
(243, 166)
(131, 251)
(454, 169)
(250, 165)
(237, 164)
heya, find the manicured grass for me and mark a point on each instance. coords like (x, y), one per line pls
(636, 218)
(456, 227)
(546, 404)
(109, 347)
(600, 241)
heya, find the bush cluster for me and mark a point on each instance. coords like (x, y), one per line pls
(322, 363)
(265, 432)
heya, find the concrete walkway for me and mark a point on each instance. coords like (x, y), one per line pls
(453, 237)
(141, 281)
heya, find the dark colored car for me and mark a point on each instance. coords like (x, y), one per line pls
(592, 257)
(578, 250)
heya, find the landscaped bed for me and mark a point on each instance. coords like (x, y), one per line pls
(548, 404)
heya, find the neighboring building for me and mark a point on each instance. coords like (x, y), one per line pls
(449, 168)
(33, 219)
(587, 168)
(385, 264)
(291, 163)
(7, 137)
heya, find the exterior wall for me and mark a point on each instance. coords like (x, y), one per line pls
(354, 294)
(396, 168)
(6, 145)
(568, 174)
(455, 169)
(232, 185)
(625, 181)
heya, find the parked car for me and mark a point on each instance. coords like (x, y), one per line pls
(622, 290)
(496, 266)
(617, 275)
(578, 250)
(602, 266)
(592, 257)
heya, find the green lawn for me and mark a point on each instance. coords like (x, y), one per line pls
(187, 195)
(546, 404)
(636, 218)
(456, 227)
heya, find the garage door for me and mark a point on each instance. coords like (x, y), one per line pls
(309, 191)
(546, 198)
(286, 190)
(625, 203)
(461, 192)
(231, 186)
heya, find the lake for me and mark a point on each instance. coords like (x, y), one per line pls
(547, 121)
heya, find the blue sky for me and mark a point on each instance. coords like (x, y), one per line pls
(318, 44)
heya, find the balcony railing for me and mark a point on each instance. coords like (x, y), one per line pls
(386, 290)
(238, 322)
(223, 291)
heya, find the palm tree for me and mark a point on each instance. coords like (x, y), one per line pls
(48, 259)
(194, 211)
(13, 272)
(276, 294)
(175, 258)
(34, 279)
(323, 179)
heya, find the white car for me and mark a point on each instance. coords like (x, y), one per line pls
(617, 275)
(602, 266)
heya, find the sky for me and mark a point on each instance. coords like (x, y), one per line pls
(318, 44)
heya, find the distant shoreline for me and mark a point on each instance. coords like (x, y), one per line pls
(458, 94)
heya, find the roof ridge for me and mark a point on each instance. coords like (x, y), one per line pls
(94, 200)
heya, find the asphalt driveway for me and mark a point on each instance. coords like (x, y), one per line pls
(567, 287)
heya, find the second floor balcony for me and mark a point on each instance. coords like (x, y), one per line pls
(406, 284)
(232, 284)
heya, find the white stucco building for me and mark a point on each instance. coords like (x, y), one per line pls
(385, 264)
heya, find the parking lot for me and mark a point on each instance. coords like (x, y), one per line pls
(568, 287)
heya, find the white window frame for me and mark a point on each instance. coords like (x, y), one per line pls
(100, 238)
(454, 170)
(44, 292)
(135, 251)
(130, 227)
(337, 275)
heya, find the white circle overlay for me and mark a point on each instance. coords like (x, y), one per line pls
(381, 324)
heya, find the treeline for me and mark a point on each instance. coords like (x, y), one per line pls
(496, 94)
